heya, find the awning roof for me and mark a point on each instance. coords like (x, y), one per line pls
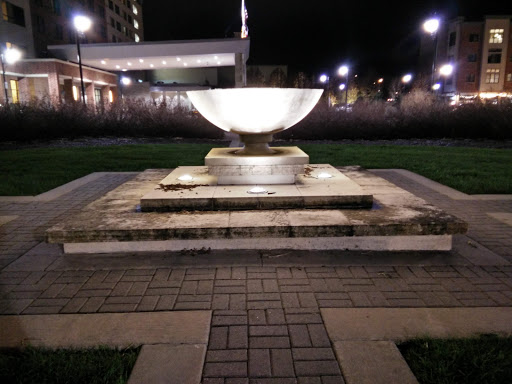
(156, 55)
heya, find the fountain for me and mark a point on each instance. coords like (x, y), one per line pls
(257, 197)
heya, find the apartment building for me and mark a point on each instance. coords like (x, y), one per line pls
(32, 25)
(481, 55)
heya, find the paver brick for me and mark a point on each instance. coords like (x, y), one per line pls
(227, 355)
(299, 336)
(165, 302)
(282, 363)
(148, 303)
(238, 337)
(313, 354)
(229, 320)
(268, 330)
(218, 338)
(264, 304)
(257, 317)
(269, 342)
(259, 363)
(318, 335)
(230, 369)
(307, 318)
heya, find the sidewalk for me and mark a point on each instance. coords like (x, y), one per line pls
(266, 320)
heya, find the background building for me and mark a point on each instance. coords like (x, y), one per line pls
(481, 54)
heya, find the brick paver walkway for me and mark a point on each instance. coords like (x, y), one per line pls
(266, 325)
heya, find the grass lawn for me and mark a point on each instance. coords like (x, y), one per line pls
(481, 360)
(37, 365)
(469, 170)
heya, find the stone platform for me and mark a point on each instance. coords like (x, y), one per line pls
(397, 221)
(204, 194)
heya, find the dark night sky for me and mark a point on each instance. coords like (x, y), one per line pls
(314, 36)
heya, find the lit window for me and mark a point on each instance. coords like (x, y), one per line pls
(496, 36)
(492, 76)
(14, 91)
(135, 24)
(509, 76)
(97, 95)
(75, 93)
(137, 38)
(134, 9)
(110, 96)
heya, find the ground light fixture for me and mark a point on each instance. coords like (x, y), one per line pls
(324, 175)
(257, 190)
(82, 24)
(185, 178)
(10, 56)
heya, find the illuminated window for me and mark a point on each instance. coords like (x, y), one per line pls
(75, 93)
(137, 38)
(14, 91)
(136, 24)
(492, 76)
(496, 36)
(134, 9)
(97, 95)
(509, 76)
(110, 96)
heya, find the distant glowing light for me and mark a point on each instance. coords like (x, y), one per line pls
(82, 23)
(164, 62)
(431, 25)
(218, 62)
(124, 69)
(446, 70)
(12, 55)
(323, 78)
(110, 96)
(342, 87)
(125, 80)
(436, 86)
(406, 78)
(198, 61)
(380, 80)
(343, 70)
(129, 64)
(185, 178)
(103, 62)
(151, 65)
(178, 59)
(257, 190)
(215, 57)
(324, 175)
(141, 60)
(117, 66)
(185, 64)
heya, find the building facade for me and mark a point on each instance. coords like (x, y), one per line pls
(480, 53)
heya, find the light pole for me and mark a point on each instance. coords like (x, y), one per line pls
(123, 82)
(82, 24)
(343, 71)
(324, 79)
(406, 79)
(431, 26)
(9, 56)
(445, 71)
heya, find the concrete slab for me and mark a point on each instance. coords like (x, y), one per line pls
(7, 219)
(392, 219)
(504, 217)
(372, 362)
(169, 364)
(117, 329)
(398, 324)
(204, 192)
(37, 259)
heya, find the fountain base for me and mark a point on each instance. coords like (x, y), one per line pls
(233, 168)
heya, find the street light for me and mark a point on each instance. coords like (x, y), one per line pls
(406, 78)
(446, 70)
(9, 56)
(431, 26)
(124, 81)
(325, 80)
(82, 24)
(343, 71)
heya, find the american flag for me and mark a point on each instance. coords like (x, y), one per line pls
(245, 15)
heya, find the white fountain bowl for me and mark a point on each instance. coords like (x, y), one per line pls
(255, 111)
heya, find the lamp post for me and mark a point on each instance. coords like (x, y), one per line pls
(324, 79)
(82, 24)
(123, 82)
(343, 71)
(406, 79)
(445, 71)
(431, 26)
(9, 56)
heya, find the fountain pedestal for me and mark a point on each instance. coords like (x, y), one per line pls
(233, 168)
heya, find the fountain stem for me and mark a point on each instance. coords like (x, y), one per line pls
(256, 145)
